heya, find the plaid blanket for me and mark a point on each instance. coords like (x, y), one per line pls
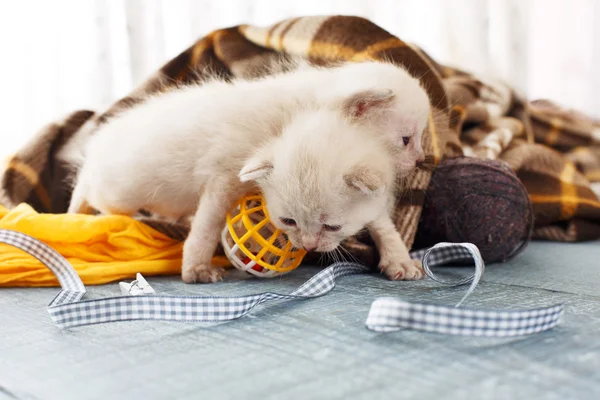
(555, 152)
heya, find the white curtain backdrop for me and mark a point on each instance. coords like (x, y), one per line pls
(62, 55)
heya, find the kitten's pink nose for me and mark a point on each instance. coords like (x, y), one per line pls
(310, 242)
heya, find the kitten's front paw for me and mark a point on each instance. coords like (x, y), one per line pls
(402, 270)
(202, 273)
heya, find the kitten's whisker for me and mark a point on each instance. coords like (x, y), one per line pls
(336, 256)
(327, 257)
(340, 254)
(352, 256)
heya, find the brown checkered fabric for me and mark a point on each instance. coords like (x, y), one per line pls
(555, 152)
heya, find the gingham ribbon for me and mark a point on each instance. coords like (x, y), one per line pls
(386, 314)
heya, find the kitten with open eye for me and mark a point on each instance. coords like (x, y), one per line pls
(323, 144)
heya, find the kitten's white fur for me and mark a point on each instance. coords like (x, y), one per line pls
(323, 145)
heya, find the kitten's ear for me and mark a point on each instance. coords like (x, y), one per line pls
(365, 180)
(255, 168)
(367, 103)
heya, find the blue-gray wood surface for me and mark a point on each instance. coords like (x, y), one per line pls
(318, 349)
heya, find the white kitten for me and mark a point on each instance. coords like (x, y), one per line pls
(322, 144)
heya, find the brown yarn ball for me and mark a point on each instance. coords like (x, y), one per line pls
(477, 201)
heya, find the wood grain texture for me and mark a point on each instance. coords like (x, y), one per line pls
(317, 349)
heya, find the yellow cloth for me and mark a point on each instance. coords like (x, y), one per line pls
(101, 248)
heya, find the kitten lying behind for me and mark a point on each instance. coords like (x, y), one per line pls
(321, 144)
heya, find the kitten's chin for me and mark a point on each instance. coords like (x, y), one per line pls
(327, 248)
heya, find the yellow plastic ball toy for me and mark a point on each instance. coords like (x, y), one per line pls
(253, 244)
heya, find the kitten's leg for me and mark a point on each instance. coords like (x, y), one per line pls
(78, 203)
(204, 235)
(394, 262)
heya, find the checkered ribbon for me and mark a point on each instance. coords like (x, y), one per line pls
(386, 314)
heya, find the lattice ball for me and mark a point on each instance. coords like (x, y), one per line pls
(253, 244)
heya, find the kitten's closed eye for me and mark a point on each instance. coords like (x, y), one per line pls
(288, 221)
(406, 140)
(332, 228)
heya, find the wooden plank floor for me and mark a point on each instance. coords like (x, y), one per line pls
(318, 349)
